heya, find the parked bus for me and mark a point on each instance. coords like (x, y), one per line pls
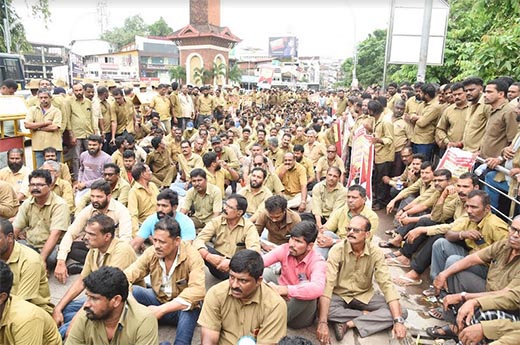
(11, 67)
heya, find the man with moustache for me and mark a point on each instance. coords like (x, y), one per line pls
(302, 278)
(43, 218)
(104, 250)
(349, 300)
(450, 205)
(72, 244)
(107, 308)
(44, 121)
(177, 280)
(167, 203)
(294, 179)
(328, 195)
(255, 193)
(477, 116)
(59, 187)
(203, 200)
(204, 106)
(91, 165)
(78, 111)
(402, 135)
(246, 301)
(15, 172)
(229, 233)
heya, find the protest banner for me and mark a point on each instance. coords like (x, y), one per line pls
(362, 162)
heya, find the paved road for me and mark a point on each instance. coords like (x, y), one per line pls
(411, 299)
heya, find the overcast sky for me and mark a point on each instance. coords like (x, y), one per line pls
(326, 28)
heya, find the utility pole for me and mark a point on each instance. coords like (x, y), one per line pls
(425, 38)
(7, 29)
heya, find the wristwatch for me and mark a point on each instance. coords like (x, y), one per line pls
(463, 296)
(399, 319)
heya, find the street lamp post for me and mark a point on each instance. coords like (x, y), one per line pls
(6, 29)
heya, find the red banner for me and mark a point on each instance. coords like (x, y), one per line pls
(362, 162)
(457, 161)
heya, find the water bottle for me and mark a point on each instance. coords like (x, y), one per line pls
(399, 184)
(478, 171)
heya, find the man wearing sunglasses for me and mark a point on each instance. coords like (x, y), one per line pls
(349, 300)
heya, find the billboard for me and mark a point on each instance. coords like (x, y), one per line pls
(406, 27)
(283, 47)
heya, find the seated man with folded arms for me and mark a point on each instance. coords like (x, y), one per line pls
(349, 300)
(255, 193)
(23, 322)
(229, 233)
(327, 196)
(333, 231)
(302, 278)
(104, 250)
(177, 279)
(72, 245)
(167, 203)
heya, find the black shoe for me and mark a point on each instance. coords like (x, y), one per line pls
(74, 268)
(339, 330)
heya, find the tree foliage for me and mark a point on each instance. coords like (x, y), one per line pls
(39, 9)
(235, 74)
(135, 25)
(202, 75)
(178, 73)
(483, 39)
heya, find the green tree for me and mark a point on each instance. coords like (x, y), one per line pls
(160, 28)
(124, 35)
(202, 75)
(178, 73)
(39, 9)
(235, 74)
(218, 71)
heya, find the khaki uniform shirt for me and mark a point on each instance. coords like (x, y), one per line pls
(137, 325)
(205, 105)
(176, 104)
(276, 157)
(187, 281)
(8, 201)
(14, 179)
(501, 128)
(218, 179)
(107, 115)
(417, 188)
(505, 330)
(273, 183)
(255, 202)
(23, 323)
(361, 120)
(352, 278)
(205, 205)
(315, 151)
(277, 232)
(119, 254)
(119, 193)
(230, 157)
(117, 158)
(384, 152)
(324, 165)
(263, 316)
(451, 208)
(501, 274)
(162, 104)
(340, 219)
(324, 202)
(30, 277)
(43, 139)
(228, 241)
(80, 119)
(402, 133)
(299, 141)
(492, 228)
(124, 116)
(309, 166)
(187, 165)
(342, 106)
(476, 120)
(412, 105)
(115, 210)
(450, 127)
(40, 221)
(293, 180)
(424, 128)
(141, 203)
(244, 145)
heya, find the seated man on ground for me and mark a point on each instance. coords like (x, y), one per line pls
(327, 196)
(302, 278)
(294, 179)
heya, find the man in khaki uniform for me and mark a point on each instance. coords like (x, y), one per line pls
(15, 172)
(204, 106)
(243, 306)
(450, 128)
(8, 201)
(125, 114)
(314, 150)
(330, 160)
(22, 322)
(44, 217)
(108, 286)
(104, 250)
(203, 201)
(106, 119)
(160, 162)
(255, 193)
(177, 278)
(230, 233)
(44, 121)
(142, 198)
(176, 107)
(30, 276)
(477, 116)
(327, 196)
(161, 103)
(294, 179)
(402, 135)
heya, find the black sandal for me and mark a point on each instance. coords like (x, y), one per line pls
(447, 332)
(388, 244)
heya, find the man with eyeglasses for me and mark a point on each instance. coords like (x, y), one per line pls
(229, 233)
(330, 160)
(463, 278)
(43, 218)
(349, 300)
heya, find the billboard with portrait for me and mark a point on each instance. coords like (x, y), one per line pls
(283, 47)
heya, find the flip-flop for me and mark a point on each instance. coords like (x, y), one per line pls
(437, 313)
(387, 244)
(405, 281)
(448, 333)
(390, 255)
(396, 263)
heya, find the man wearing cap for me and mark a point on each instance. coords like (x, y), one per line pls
(33, 86)
(205, 106)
